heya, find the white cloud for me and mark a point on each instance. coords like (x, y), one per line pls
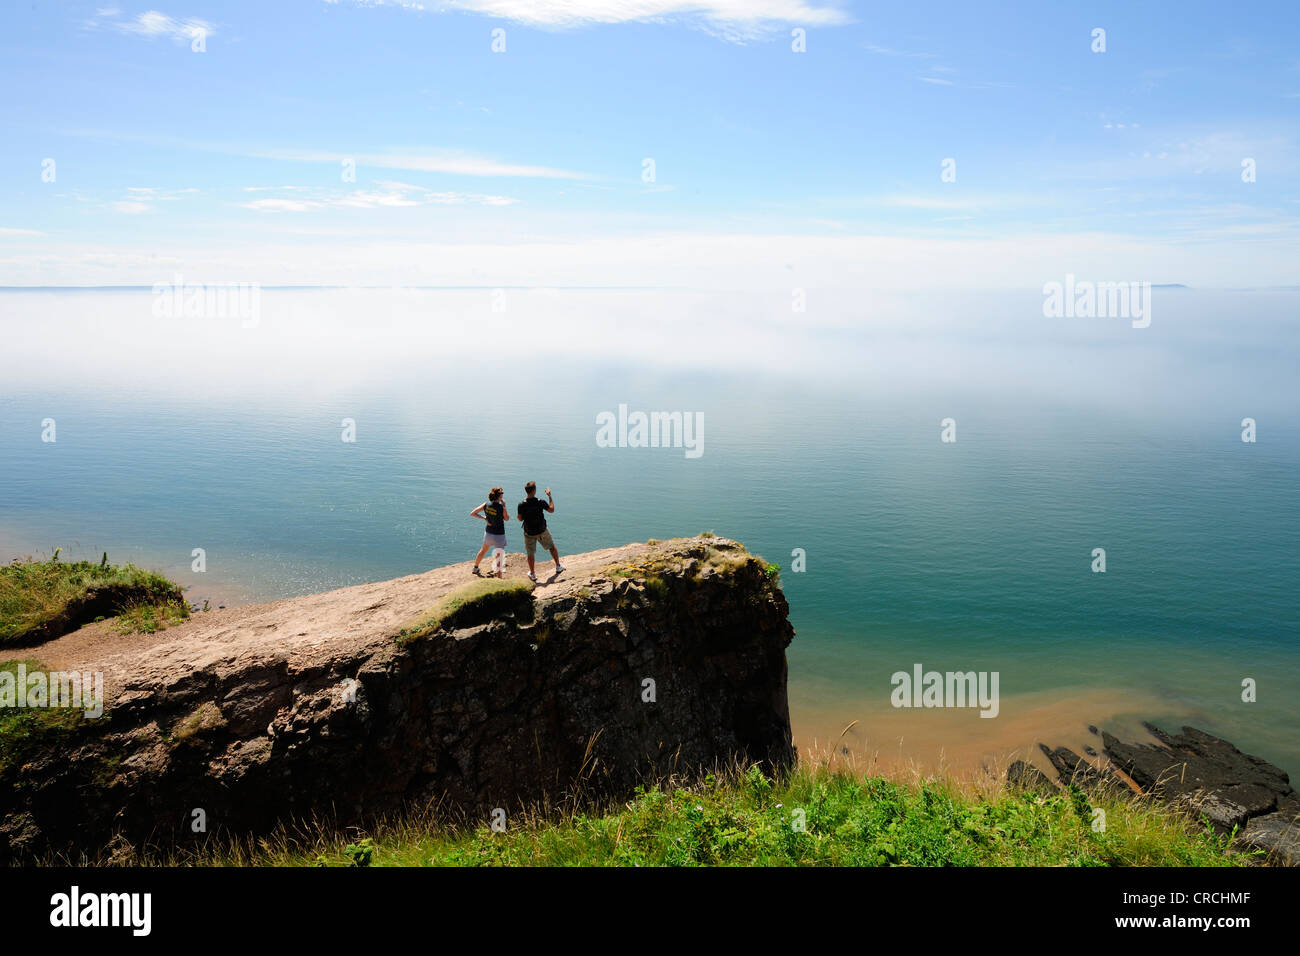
(933, 202)
(426, 161)
(281, 205)
(151, 193)
(457, 199)
(10, 231)
(139, 198)
(404, 4)
(732, 19)
(389, 195)
(361, 199)
(150, 24)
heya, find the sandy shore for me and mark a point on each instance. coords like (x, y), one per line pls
(960, 742)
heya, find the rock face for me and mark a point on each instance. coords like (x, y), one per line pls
(638, 662)
(1198, 772)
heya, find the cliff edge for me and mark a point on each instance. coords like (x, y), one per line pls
(638, 661)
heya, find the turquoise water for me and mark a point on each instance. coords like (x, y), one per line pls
(973, 555)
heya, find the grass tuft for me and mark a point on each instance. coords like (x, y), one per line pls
(40, 600)
(474, 603)
(151, 618)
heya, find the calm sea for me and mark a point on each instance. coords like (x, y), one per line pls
(822, 437)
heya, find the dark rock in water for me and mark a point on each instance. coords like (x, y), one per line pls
(641, 661)
(1073, 769)
(1204, 775)
(1028, 777)
(1089, 751)
(1093, 730)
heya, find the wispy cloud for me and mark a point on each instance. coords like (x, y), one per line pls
(426, 161)
(731, 19)
(935, 202)
(151, 24)
(11, 231)
(139, 199)
(932, 68)
(281, 205)
(152, 194)
(889, 51)
(389, 194)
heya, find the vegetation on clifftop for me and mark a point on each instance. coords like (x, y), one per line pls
(810, 817)
(40, 600)
(474, 603)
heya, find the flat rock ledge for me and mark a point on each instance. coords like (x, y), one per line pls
(1197, 772)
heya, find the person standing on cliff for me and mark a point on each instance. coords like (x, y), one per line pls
(532, 512)
(494, 512)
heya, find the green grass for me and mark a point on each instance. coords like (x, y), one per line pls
(743, 819)
(474, 603)
(654, 568)
(40, 600)
(151, 618)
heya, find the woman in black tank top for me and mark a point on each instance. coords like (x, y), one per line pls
(494, 513)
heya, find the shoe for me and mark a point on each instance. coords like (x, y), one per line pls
(477, 572)
(559, 569)
(532, 577)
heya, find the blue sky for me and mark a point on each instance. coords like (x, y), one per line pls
(527, 165)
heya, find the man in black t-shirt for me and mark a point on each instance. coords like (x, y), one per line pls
(532, 512)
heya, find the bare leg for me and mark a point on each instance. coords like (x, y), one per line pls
(481, 551)
(531, 569)
(555, 553)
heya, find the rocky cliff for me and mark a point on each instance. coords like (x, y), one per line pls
(636, 662)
